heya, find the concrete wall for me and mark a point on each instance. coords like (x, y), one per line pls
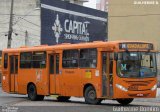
(102, 5)
(135, 20)
(132, 20)
(26, 18)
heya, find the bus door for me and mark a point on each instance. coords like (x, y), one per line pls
(54, 73)
(13, 73)
(107, 74)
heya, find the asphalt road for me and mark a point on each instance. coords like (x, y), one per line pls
(20, 103)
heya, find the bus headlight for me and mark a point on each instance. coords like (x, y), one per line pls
(154, 87)
(121, 87)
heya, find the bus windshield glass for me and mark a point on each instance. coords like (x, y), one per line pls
(136, 64)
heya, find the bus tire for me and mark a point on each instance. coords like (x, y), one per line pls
(125, 101)
(63, 98)
(90, 96)
(40, 97)
(32, 92)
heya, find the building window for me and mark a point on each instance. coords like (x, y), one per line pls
(88, 58)
(70, 58)
(5, 61)
(39, 59)
(26, 60)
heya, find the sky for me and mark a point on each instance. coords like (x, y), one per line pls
(91, 4)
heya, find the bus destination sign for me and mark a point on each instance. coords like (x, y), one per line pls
(143, 46)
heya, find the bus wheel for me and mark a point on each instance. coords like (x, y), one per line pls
(125, 101)
(32, 92)
(63, 98)
(40, 97)
(90, 96)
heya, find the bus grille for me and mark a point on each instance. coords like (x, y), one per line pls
(138, 85)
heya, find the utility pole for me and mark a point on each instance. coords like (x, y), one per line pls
(10, 26)
(26, 38)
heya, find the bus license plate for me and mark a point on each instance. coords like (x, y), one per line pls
(133, 88)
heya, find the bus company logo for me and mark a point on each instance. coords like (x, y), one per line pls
(57, 28)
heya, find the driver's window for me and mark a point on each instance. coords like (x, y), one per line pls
(146, 61)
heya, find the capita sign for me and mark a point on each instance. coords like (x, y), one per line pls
(73, 30)
(63, 22)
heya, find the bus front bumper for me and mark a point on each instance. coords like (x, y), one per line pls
(135, 94)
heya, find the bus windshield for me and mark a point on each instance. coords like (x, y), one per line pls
(136, 64)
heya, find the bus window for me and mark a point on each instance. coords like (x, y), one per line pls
(70, 58)
(111, 63)
(39, 60)
(57, 64)
(146, 61)
(51, 66)
(12, 64)
(137, 64)
(16, 65)
(26, 60)
(5, 61)
(88, 58)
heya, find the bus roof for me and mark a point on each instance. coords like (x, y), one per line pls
(94, 44)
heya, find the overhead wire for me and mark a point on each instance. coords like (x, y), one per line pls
(28, 27)
(32, 10)
(25, 31)
(31, 22)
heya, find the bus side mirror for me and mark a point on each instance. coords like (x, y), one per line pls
(115, 56)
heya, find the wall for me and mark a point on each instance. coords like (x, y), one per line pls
(135, 20)
(130, 21)
(102, 5)
(26, 18)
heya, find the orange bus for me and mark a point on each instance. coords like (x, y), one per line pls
(117, 70)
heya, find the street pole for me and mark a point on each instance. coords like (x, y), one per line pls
(26, 38)
(10, 26)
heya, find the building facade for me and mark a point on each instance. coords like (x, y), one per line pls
(78, 2)
(102, 5)
(26, 22)
(135, 20)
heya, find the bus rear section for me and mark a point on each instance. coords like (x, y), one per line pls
(25, 73)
